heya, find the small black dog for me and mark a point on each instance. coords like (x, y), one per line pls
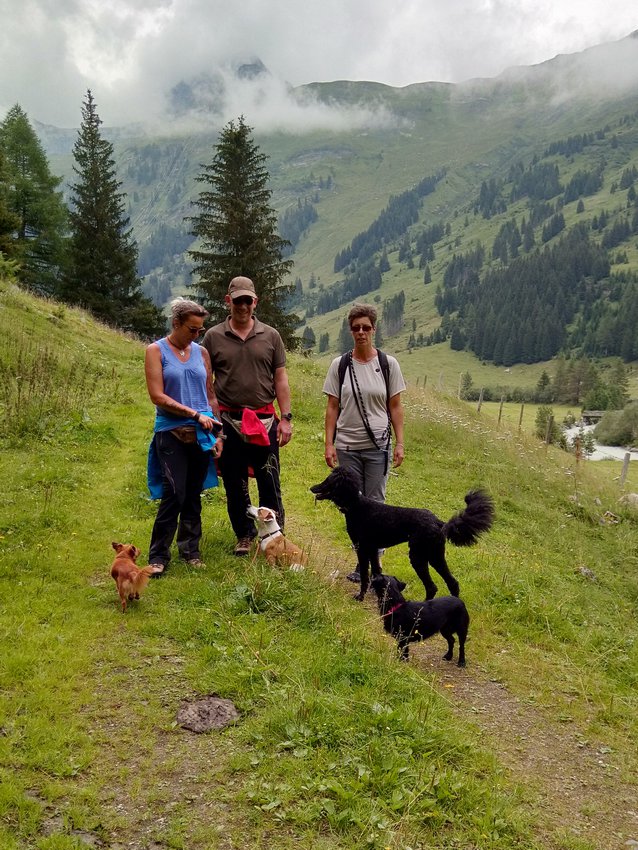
(409, 622)
(375, 525)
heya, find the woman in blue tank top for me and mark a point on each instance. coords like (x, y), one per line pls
(185, 445)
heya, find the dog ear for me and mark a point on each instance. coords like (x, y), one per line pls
(116, 546)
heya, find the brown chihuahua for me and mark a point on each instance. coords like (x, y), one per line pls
(130, 578)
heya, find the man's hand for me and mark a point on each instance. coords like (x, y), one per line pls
(284, 432)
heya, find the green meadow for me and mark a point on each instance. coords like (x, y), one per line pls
(339, 745)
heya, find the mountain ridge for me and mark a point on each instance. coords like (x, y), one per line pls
(378, 143)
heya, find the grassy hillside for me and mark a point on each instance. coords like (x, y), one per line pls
(338, 745)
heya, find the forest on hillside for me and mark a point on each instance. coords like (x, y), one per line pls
(554, 278)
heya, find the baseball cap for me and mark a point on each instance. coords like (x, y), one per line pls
(241, 286)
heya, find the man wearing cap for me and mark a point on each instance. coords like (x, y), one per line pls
(248, 360)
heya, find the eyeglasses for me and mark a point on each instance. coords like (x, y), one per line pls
(243, 300)
(195, 331)
(365, 328)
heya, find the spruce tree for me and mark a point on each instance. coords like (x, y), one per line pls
(33, 202)
(9, 221)
(237, 232)
(102, 274)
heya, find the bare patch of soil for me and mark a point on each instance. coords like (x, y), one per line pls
(205, 713)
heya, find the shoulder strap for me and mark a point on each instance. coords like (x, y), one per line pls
(384, 363)
(343, 368)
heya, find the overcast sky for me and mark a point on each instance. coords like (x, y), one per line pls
(132, 52)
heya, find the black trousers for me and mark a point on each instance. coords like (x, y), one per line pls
(184, 469)
(233, 465)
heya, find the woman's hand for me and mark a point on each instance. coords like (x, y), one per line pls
(399, 454)
(331, 456)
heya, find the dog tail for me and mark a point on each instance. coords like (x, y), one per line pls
(141, 579)
(464, 528)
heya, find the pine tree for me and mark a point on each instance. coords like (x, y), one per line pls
(9, 221)
(308, 339)
(102, 274)
(236, 227)
(32, 196)
(344, 342)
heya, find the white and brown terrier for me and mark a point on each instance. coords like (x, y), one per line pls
(276, 547)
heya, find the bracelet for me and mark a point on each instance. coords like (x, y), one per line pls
(196, 417)
(396, 445)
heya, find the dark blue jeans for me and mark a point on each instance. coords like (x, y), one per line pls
(233, 466)
(184, 468)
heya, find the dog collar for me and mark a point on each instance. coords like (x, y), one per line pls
(271, 534)
(394, 608)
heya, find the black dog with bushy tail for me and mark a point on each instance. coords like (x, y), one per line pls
(409, 622)
(375, 525)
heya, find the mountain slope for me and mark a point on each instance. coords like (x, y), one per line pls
(380, 143)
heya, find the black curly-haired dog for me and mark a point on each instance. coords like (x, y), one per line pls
(410, 622)
(375, 525)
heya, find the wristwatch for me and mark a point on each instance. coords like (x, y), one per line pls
(287, 416)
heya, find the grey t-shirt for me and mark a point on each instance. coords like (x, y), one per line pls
(351, 432)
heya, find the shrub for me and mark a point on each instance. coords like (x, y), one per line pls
(619, 427)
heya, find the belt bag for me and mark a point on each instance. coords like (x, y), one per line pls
(236, 425)
(185, 434)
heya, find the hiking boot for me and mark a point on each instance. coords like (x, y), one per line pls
(243, 546)
(158, 569)
(195, 562)
(354, 577)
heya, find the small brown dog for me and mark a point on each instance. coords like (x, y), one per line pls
(277, 549)
(130, 578)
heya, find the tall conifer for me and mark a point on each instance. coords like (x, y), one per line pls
(33, 202)
(237, 231)
(102, 274)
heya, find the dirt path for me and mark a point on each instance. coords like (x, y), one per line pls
(576, 784)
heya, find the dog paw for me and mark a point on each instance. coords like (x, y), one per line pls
(333, 576)
(297, 568)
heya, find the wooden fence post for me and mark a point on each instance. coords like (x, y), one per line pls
(520, 418)
(549, 429)
(500, 410)
(480, 401)
(625, 468)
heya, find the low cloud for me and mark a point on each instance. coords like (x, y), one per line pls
(132, 53)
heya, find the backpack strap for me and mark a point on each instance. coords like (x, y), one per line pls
(341, 373)
(384, 364)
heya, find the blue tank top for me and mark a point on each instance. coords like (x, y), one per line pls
(183, 381)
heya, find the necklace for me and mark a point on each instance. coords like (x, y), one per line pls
(182, 352)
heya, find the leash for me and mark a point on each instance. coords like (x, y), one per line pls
(393, 609)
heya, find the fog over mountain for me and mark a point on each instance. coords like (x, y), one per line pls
(135, 54)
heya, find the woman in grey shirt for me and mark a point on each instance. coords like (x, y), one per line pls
(364, 390)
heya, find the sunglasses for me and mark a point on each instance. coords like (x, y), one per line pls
(195, 331)
(243, 300)
(365, 328)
